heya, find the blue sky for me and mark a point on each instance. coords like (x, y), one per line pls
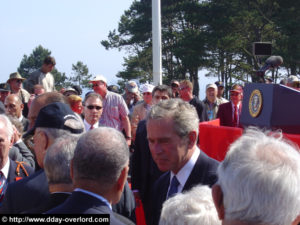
(71, 30)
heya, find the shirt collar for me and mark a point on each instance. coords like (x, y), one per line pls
(186, 170)
(88, 126)
(94, 195)
(5, 169)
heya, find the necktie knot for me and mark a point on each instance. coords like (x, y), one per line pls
(173, 187)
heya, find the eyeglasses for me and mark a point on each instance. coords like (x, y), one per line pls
(90, 107)
(234, 93)
(96, 85)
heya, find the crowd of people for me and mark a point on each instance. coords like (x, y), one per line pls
(101, 153)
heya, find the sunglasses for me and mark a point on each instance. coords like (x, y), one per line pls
(96, 85)
(90, 107)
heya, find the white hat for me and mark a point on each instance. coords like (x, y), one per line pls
(212, 86)
(147, 88)
(292, 79)
(98, 78)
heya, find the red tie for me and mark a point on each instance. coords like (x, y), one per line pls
(3, 186)
(92, 127)
(235, 116)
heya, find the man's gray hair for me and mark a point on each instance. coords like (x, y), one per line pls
(190, 208)
(100, 155)
(260, 179)
(183, 114)
(58, 158)
(54, 133)
(8, 126)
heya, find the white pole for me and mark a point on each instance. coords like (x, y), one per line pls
(156, 42)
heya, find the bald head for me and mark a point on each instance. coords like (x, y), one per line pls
(13, 105)
(41, 101)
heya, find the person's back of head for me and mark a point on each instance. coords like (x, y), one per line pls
(58, 158)
(190, 208)
(101, 161)
(259, 180)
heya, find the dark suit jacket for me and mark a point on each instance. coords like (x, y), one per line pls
(31, 191)
(225, 114)
(12, 174)
(20, 152)
(25, 123)
(200, 108)
(144, 170)
(82, 203)
(204, 172)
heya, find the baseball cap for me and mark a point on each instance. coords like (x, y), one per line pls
(4, 87)
(70, 91)
(132, 87)
(98, 78)
(211, 86)
(219, 83)
(58, 115)
(147, 88)
(236, 88)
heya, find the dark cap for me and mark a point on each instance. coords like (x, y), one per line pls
(58, 115)
(219, 83)
(2, 108)
(4, 87)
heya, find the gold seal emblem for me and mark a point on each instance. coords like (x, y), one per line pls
(255, 103)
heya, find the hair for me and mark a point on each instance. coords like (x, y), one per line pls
(58, 158)
(73, 99)
(183, 114)
(187, 83)
(100, 159)
(49, 60)
(260, 179)
(90, 95)
(17, 123)
(8, 126)
(162, 88)
(55, 133)
(190, 208)
(51, 97)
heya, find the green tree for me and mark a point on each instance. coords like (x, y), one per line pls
(34, 62)
(80, 75)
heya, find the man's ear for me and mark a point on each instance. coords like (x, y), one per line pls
(217, 195)
(122, 178)
(192, 138)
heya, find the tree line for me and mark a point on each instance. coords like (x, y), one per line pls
(215, 35)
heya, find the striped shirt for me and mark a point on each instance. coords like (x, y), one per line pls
(114, 108)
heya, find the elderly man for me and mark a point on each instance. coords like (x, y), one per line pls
(259, 181)
(15, 82)
(10, 171)
(172, 132)
(99, 172)
(211, 101)
(140, 110)
(92, 111)
(14, 107)
(195, 206)
(115, 112)
(131, 95)
(43, 76)
(230, 112)
(186, 94)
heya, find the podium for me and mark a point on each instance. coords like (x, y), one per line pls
(271, 106)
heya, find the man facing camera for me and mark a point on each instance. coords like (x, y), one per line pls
(172, 132)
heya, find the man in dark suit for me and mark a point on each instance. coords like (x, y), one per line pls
(99, 171)
(10, 171)
(230, 113)
(172, 131)
(144, 169)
